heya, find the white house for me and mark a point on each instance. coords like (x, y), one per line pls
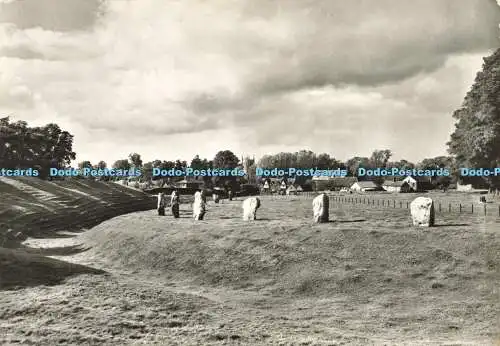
(365, 186)
(396, 186)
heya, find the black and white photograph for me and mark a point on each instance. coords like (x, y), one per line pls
(250, 172)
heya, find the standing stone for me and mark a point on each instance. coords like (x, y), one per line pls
(199, 205)
(161, 204)
(174, 204)
(321, 208)
(422, 212)
(250, 206)
(215, 197)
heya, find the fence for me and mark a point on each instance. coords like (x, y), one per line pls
(380, 202)
(471, 208)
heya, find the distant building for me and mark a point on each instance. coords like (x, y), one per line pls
(419, 183)
(396, 186)
(365, 186)
(192, 184)
(322, 183)
(291, 190)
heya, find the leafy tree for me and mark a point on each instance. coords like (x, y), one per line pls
(196, 163)
(380, 158)
(122, 164)
(475, 142)
(43, 147)
(101, 165)
(225, 160)
(147, 171)
(355, 163)
(84, 164)
(135, 160)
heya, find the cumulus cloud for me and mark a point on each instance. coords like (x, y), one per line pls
(335, 76)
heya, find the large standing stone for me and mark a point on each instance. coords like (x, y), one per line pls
(250, 206)
(161, 204)
(321, 208)
(422, 212)
(174, 204)
(199, 205)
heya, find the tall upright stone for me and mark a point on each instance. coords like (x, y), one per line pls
(161, 204)
(250, 206)
(199, 205)
(321, 208)
(174, 204)
(422, 212)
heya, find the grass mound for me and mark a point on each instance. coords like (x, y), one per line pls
(285, 254)
(19, 269)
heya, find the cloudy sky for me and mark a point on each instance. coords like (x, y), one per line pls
(174, 78)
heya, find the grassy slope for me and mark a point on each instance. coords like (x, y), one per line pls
(42, 208)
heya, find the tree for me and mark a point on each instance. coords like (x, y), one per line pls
(85, 164)
(101, 165)
(355, 163)
(225, 160)
(475, 142)
(380, 158)
(122, 164)
(196, 163)
(43, 147)
(135, 160)
(305, 159)
(324, 161)
(147, 171)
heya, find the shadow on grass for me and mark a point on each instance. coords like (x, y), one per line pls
(451, 225)
(54, 233)
(22, 269)
(347, 221)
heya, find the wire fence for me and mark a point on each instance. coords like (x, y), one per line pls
(381, 201)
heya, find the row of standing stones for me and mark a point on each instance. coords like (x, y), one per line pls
(421, 208)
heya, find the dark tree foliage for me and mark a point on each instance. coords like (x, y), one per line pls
(475, 143)
(225, 159)
(123, 164)
(42, 147)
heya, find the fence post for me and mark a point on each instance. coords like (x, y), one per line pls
(460, 206)
(439, 206)
(407, 205)
(400, 205)
(449, 207)
(394, 203)
(484, 206)
(472, 208)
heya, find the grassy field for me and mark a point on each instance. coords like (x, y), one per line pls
(367, 278)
